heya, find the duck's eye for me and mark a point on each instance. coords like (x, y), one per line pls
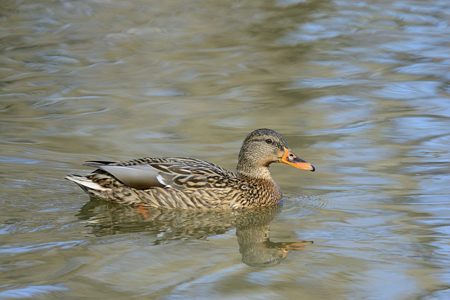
(269, 141)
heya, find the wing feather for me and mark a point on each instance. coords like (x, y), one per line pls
(174, 172)
(139, 177)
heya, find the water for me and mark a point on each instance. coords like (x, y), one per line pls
(360, 89)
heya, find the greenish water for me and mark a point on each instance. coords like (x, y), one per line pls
(360, 89)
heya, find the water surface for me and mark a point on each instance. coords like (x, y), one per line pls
(360, 89)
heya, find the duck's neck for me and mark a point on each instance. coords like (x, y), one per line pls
(249, 169)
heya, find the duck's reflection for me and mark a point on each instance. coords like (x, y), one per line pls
(252, 227)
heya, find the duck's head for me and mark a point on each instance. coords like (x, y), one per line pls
(263, 147)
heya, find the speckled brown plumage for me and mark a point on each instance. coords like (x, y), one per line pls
(188, 183)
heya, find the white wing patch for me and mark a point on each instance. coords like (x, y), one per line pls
(162, 180)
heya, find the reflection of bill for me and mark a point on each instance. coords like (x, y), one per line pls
(252, 227)
(257, 249)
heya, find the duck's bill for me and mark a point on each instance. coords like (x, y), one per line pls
(291, 159)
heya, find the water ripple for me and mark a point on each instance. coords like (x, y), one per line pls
(31, 291)
(14, 250)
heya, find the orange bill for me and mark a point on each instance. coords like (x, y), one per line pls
(291, 159)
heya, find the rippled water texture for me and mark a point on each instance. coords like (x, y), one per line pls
(359, 88)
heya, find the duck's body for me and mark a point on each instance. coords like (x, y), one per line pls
(180, 183)
(188, 183)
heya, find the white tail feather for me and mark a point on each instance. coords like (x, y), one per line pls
(84, 182)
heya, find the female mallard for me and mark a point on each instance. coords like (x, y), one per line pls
(175, 182)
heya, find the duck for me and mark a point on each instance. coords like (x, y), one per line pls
(190, 183)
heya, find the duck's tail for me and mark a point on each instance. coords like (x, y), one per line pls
(86, 184)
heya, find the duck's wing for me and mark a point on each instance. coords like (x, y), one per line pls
(174, 172)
